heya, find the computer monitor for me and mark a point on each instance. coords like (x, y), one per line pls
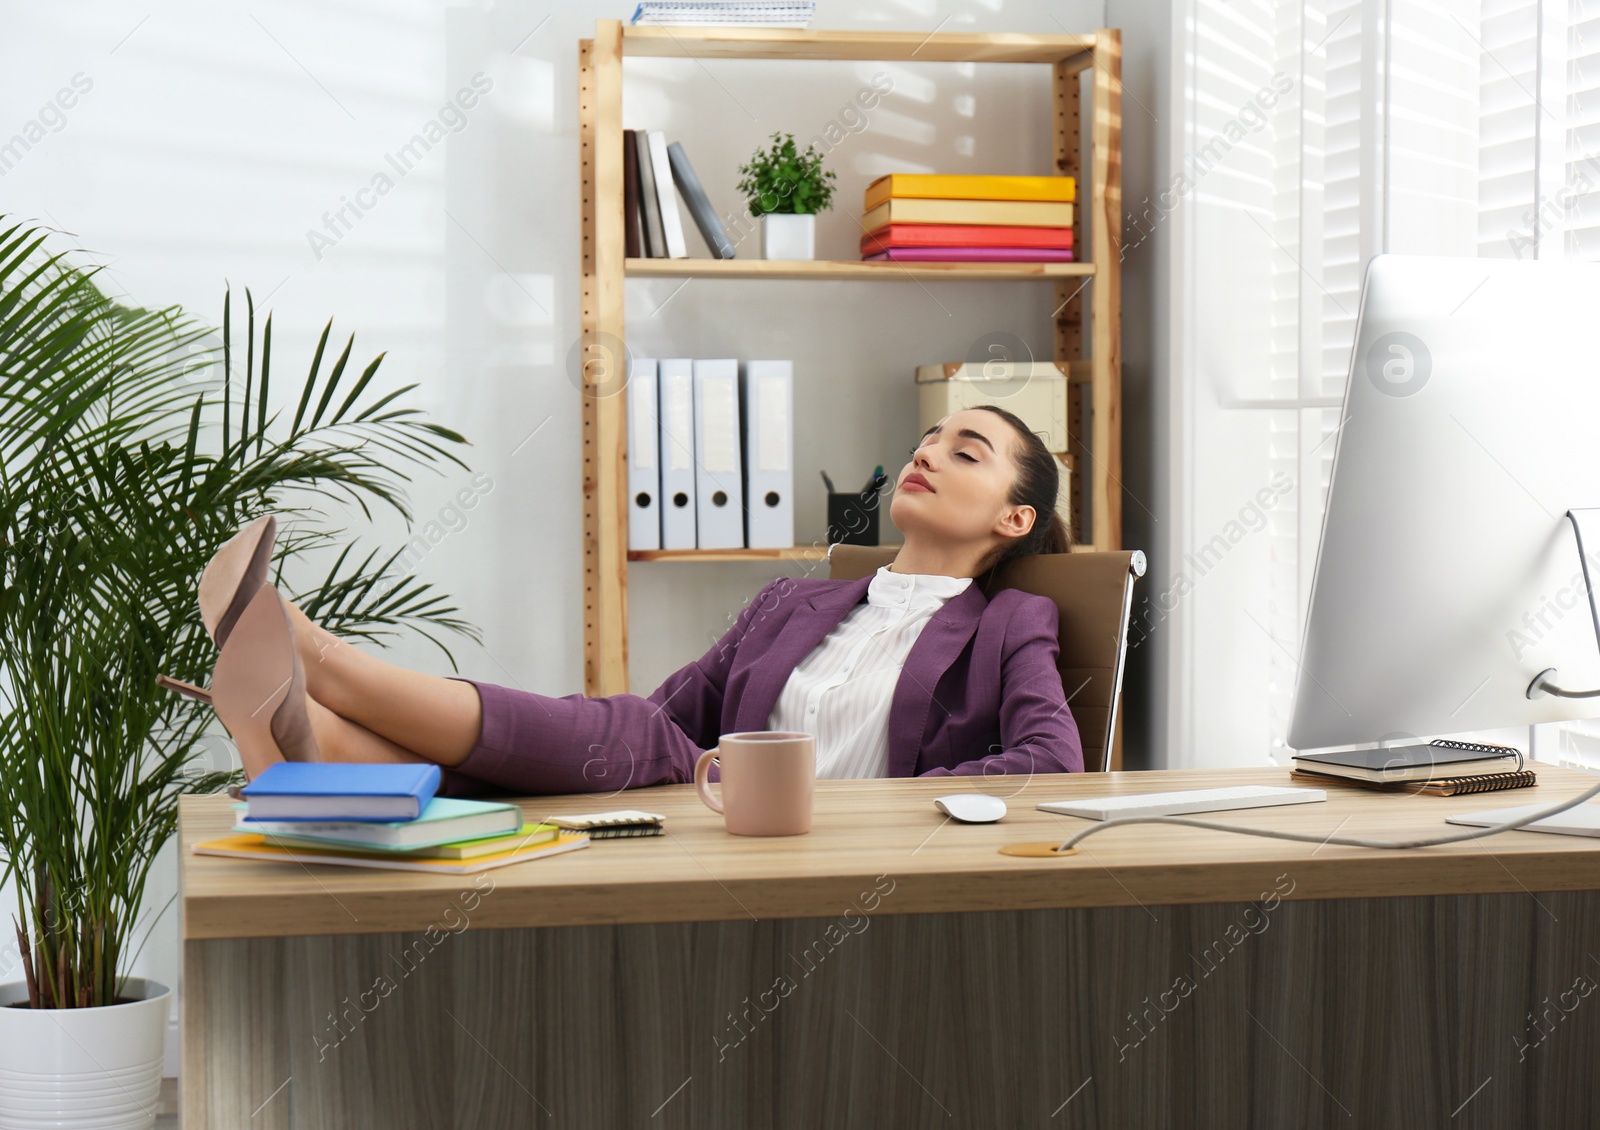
(1448, 576)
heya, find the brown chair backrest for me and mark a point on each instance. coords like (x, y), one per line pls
(1093, 589)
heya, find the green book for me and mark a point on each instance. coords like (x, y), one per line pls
(529, 835)
(445, 820)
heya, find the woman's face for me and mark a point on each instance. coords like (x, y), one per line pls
(956, 485)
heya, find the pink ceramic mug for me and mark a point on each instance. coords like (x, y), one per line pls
(768, 779)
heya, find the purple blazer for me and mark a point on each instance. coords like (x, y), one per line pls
(979, 695)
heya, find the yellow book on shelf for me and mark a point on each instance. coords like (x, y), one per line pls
(254, 846)
(955, 187)
(1006, 213)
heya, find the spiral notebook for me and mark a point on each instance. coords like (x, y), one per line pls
(622, 823)
(1439, 786)
(1432, 761)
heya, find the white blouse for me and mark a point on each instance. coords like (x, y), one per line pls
(842, 691)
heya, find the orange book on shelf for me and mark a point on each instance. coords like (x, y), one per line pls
(1010, 213)
(946, 186)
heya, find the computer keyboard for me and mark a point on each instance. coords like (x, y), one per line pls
(1178, 803)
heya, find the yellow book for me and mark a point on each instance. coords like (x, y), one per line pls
(948, 187)
(254, 846)
(1006, 213)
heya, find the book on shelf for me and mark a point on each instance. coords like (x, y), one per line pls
(1438, 786)
(673, 14)
(667, 197)
(962, 235)
(945, 186)
(444, 820)
(254, 846)
(655, 246)
(970, 255)
(327, 790)
(1011, 213)
(700, 209)
(632, 219)
(1433, 760)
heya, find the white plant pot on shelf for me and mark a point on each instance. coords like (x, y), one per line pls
(88, 1067)
(788, 235)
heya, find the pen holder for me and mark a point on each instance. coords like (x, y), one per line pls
(853, 518)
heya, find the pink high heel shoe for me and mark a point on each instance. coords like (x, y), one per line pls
(233, 576)
(258, 687)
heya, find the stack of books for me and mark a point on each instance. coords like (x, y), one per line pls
(780, 14)
(921, 218)
(383, 816)
(1441, 768)
(654, 174)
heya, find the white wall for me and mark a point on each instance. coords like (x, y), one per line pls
(214, 138)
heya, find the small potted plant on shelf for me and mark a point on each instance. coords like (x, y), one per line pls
(131, 450)
(786, 189)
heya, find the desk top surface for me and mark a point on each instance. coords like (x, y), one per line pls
(877, 835)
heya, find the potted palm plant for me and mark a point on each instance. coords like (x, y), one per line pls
(786, 189)
(130, 449)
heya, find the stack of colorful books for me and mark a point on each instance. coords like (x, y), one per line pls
(383, 816)
(930, 218)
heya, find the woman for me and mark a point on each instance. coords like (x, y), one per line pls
(926, 677)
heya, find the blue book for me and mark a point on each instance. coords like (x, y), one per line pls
(331, 790)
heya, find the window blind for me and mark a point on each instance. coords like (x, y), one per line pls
(1452, 127)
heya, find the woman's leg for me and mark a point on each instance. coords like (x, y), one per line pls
(425, 714)
(339, 739)
(515, 740)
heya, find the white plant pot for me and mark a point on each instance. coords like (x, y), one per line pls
(787, 235)
(96, 1068)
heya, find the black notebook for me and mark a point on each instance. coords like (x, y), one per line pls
(1422, 761)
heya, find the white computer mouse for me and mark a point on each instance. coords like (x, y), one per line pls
(971, 808)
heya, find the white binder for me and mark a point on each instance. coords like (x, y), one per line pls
(677, 454)
(644, 464)
(718, 470)
(768, 391)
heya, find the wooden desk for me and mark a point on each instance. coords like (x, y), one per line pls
(891, 968)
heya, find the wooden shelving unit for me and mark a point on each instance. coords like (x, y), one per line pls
(1097, 370)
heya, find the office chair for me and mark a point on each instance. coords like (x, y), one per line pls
(1093, 591)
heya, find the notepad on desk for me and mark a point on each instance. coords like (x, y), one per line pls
(617, 824)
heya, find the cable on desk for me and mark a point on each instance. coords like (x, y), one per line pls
(1349, 841)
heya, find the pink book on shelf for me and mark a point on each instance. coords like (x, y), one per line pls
(972, 255)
